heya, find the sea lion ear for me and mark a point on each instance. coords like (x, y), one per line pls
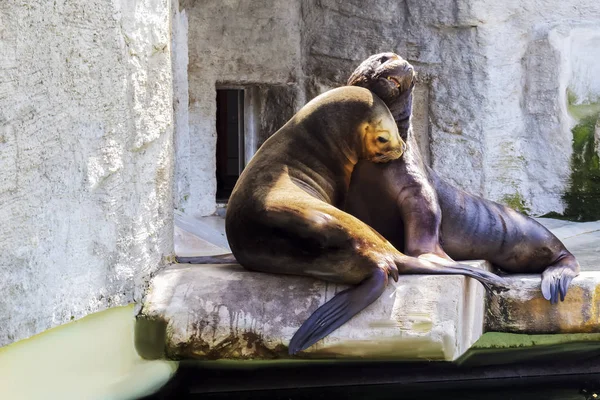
(366, 129)
(357, 79)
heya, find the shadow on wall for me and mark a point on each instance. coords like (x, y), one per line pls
(273, 106)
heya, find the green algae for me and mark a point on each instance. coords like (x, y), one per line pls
(516, 202)
(497, 348)
(502, 340)
(582, 198)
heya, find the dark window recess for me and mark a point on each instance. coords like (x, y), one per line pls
(230, 140)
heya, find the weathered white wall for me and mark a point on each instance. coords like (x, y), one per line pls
(527, 126)
(583, 55)
(85, 157)
(491, 106)
(238, 43)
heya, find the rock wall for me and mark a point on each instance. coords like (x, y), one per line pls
(86, 157)
(491, 104)
(528, 126)
(440, 40)
(181, 135)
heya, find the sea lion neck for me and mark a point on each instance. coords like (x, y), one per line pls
(332, 160)
(404, 128)
(401, 109)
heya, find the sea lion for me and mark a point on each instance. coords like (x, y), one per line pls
(283, 215)
(420, 213)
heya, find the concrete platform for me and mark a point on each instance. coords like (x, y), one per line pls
(524, 310)
(225, 312)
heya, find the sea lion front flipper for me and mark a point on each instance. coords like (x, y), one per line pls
(338, 311)
(218, 259)
(557, 278)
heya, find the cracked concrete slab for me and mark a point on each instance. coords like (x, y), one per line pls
(226, 312)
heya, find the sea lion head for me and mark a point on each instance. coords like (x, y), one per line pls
(392, 79)
(381, 141)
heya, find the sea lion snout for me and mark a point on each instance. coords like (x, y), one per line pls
(386, 74)
(399, 72)
(393, 152)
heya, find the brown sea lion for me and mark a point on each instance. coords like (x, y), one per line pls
(283, 215)
(420, 213)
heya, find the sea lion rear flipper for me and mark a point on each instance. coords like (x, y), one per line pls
(423, 265)
(218, 259)
(338, 311)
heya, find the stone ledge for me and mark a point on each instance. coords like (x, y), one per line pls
(523, 309)
(226, 312)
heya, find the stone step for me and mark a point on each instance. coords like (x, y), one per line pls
(226, 312)
(523, 309)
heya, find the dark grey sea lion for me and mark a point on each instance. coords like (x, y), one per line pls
(421, 214)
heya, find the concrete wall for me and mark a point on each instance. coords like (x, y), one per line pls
(181, 136)
(86, 157)
(491, 106)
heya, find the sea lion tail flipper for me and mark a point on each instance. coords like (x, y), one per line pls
(218, 259)
(557, 278)
(338, 311)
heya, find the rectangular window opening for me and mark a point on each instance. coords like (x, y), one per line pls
(230, 140)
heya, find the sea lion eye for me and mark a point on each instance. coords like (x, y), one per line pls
(381, 139)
